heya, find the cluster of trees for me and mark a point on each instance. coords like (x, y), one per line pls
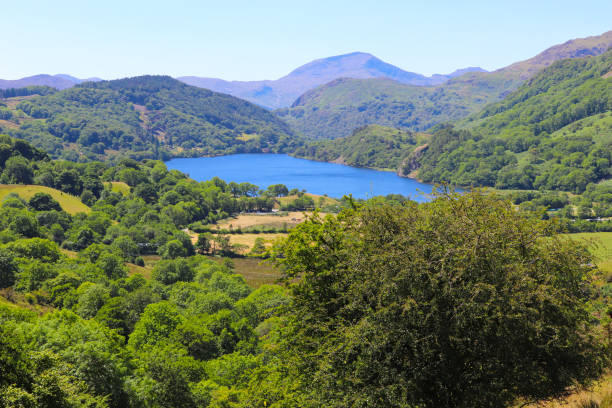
(179, 339)
(26, 91)
(372, 146)
(381, 299)
(589, 212)
(145, 117)
(148, 218)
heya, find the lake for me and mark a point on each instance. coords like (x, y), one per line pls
(335, 180)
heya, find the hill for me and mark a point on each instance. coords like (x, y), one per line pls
(69, 203)
(554, 132)
(283, 92)
(59, 81)
(148, 116)
(336, 108)
(372, 146)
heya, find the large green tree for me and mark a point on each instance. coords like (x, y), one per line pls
(460, 302)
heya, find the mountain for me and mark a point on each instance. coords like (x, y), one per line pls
(283, 92)
(147, 116)
(577, 48)
(59, 81)
(336, 108)
(553, 133)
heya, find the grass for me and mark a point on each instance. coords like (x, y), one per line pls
(145, 271)
(601, 247)
(268, 220)
(249, 239)
(599, 395)
(315, 197)
(255, 271)
(69, 203)
(120, 187)
(245, 137)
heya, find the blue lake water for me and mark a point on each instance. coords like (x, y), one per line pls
(335, 180)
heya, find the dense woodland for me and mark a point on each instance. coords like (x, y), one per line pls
(372, 146)
(89, 332)
(142, 117)
(554, 133)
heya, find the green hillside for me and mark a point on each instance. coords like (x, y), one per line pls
(552, 133)
(335, 109)
(148, 116)
(372, 146)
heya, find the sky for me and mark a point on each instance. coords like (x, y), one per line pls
(259, 39)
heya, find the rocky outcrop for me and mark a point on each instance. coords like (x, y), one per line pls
(411, 163)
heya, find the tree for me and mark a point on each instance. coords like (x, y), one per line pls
(171, 271)
(112, 266)
(25, 224)
(156, 324)
(126, 247)
(17, 171)
(460, 302)
(173, 249)
(278, 190)
(8, 268)
(203, 243)
(259, 247)
(44, 202)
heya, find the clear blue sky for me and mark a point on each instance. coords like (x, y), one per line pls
(258, 39)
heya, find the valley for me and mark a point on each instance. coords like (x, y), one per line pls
(351, 234)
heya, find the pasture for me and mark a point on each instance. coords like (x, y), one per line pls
(601, 247)
(69, 203)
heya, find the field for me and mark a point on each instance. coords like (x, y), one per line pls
(69, 203)
(256, 272)
(249, 239)
(119, 187)
(601, 393)
(264, 220)
(601, 247)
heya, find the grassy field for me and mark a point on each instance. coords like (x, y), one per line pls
(600, 393)
(268, 220)
(255, 271)
(601, 247)
(119, 187)
(69, 203)
(249, 239)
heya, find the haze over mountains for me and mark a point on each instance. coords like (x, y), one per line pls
(284, 91)
(58, 81)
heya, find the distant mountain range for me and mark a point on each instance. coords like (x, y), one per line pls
(59, 81)
(336, 108)
(284, 91)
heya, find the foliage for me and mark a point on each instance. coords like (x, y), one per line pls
(147, 116)
(459, 302)
(553, 133)
(371, 146)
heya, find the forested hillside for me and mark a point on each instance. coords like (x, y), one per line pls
(372, 146)
(337, 108)
(555, 132)
(149, 116)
